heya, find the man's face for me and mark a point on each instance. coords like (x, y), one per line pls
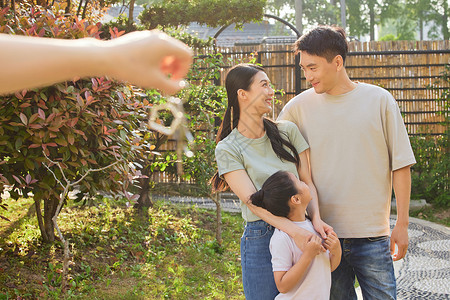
(319, 72)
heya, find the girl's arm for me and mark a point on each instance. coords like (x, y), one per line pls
(286, 280)
(243, 187)
(333, 245)
(304, 173)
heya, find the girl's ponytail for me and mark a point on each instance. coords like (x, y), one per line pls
(258, 198)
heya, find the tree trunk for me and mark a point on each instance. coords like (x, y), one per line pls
(131, 14)
(50, 207)
(216, 198)
(84, 9)
(46, 221)
(421, 28)
(299, 15)
(343, 14)
(13, 5)
(79, 8)
(372, 22)
(445, 32)
(144, 196)
(37, 203)
(67, 10)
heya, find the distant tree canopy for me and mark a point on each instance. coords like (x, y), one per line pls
(206, 12)
(408, 17)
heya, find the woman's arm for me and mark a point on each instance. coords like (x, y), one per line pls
(243, 187)
(304, 173)
(144, 58)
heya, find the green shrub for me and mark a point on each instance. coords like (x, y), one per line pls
(82, 124)
(430, 176)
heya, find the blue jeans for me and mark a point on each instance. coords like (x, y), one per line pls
(257, 275)
(370, 260)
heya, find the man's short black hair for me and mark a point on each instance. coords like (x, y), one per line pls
(324, 41)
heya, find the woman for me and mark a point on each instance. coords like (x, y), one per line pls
(249, 149)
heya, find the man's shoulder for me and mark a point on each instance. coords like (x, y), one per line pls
(303, 96)
(374, 88)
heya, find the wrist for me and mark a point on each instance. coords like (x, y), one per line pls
(404, 223)
(94, 57)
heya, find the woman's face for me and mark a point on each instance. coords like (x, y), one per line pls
(259, 96)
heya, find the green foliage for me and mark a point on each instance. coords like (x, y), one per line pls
(82, 125)
(121, 253)
(314, 12)
(430, 12)
(205, 104)
(430, 176)
(121, 24)
(206, 12)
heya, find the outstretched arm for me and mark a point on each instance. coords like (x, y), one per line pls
(143, 58)
(402, 190)
(243, 187)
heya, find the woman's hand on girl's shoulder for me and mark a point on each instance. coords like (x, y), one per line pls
(322, 228)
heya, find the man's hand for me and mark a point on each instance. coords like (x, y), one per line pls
(399, 237)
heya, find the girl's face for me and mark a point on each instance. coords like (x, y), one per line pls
(302, 189)
(260, 94)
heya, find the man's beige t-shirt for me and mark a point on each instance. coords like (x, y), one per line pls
(256, 156)
(356, 140)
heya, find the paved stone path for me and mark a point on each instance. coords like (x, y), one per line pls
(423, 274)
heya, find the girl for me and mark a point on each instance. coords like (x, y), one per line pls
(298, 275)
(249, 149)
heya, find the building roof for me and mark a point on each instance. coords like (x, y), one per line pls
(250, 33)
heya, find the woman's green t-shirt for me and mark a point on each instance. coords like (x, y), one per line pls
(256, 156)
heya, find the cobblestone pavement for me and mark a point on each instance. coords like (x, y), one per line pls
(423, 274)
(425, 271)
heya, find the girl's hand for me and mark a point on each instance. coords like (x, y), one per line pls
(313, 246)
(332, 243)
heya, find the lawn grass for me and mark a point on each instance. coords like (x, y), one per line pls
(165, 252)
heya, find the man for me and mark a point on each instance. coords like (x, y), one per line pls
(359, 148)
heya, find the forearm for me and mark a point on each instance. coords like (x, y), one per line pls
(335, 259)
(290, 278)
(402, 190)
(313, 206)
(29, 62)
(283, 224)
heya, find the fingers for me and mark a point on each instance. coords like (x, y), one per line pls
(328, 229)
(401, 250)
(330, 241)
(322, 233)
(392, 246)
(177, 62)
(314, 244)
(166, 84)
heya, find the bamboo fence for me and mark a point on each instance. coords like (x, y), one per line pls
(407, 69)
